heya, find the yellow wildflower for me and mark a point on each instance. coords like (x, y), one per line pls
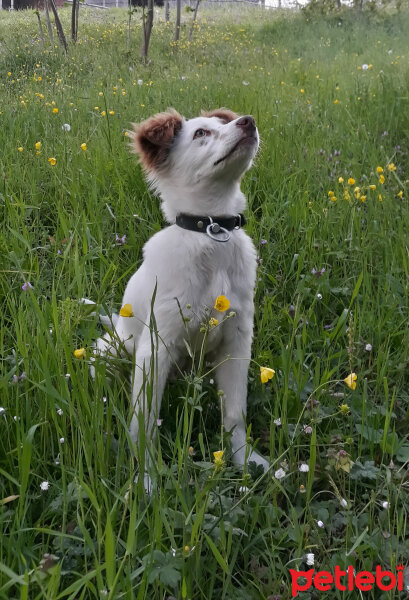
(351, 380)
(213, 322)
(218, 459)
(266, 373)
(340, 180)
(80, 353)
(351, 181)
(382, 179)
(111, 112)
(372, 187)
(126, 311)
(52, 161)
(344, 408)
(84, 146)
(55, 110)
(391, 167)
(363, 198)
(20, 149)
(380, 197)
(379, 170)
(330, 193)
(399, 194)
(222, 303)
(37, 145)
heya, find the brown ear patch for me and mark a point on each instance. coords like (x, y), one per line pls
(224, 114)
(152, 138)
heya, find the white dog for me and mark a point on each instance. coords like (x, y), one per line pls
(195, 166)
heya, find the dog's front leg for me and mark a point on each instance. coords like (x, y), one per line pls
(231, 377)
(152, 366)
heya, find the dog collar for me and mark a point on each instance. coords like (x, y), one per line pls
(215, 227)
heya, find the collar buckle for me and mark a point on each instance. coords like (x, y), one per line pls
(216, 232)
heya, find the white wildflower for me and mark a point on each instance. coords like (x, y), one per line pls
(277, 422)
(44, 485)
(279, 474)
(66, 127)
(309, 558)
(320, 524)
(304, 468)
(368, 347)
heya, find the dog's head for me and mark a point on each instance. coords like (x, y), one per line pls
(196, 164)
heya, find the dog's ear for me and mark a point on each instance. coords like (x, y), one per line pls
(152, 138)
(224, 114)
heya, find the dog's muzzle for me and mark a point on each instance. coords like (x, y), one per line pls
(217, 228)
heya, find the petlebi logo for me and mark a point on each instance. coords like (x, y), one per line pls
(350, 580)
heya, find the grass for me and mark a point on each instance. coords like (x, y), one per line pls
(331, 300)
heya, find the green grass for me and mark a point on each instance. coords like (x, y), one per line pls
(199, 535)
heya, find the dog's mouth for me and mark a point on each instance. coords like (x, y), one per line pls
(248, 140)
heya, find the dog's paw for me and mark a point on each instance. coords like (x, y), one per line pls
(239, 458)
(260, 461)
(147, 482)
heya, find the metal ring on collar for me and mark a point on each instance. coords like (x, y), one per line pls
(215, 231)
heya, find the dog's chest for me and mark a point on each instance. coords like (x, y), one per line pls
(197, 269)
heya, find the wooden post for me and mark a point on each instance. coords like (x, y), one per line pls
(194, 20)
(60, 30)
(147, 24)
(177, 25)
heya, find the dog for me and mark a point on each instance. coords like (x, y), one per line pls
(195, 166)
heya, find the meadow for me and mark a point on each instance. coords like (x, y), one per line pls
(328, 212)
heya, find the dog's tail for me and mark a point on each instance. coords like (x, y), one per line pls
(109, 320)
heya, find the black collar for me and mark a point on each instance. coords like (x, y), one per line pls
(216, 227)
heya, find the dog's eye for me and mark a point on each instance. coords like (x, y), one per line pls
(200, 133)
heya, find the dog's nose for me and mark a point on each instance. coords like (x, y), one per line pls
(247, 123)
